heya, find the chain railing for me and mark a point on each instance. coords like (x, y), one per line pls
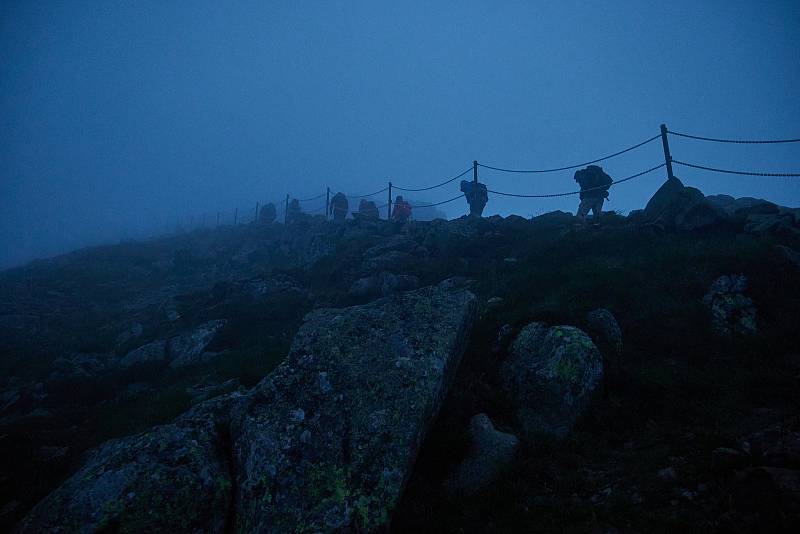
(668, 161)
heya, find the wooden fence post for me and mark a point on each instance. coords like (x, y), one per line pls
(286, 209)
(327, 202)
(235, 215)
(256, 219)
(475, 171)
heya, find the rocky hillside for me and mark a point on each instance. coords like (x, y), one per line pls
(497, 374)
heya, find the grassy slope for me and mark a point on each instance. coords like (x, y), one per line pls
(680, 392)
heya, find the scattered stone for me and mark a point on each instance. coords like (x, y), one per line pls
(494, 302)
(491, 453)
(155, 351)
(731, 311)
(190, 348)
(551, 376)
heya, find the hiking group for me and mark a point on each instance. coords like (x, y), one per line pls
(593, 181)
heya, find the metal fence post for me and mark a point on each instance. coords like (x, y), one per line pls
(327, 202)
(389, 206)
(667, 155)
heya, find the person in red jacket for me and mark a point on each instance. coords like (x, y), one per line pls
(402, 210)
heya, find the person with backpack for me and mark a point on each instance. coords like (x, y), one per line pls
(594, 184)
(476, 195)
(338, 207)
(402, 210)
(367, 210)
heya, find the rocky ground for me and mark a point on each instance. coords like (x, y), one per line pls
(641, 376)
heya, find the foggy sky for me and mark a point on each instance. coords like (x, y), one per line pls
(122, 119)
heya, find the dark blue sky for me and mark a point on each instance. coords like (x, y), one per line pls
(119, 117)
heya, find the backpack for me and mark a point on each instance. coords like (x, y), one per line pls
(594, 178)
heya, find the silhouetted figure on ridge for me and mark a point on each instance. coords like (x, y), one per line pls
(477, 196)
(339, 207)
(367, 210)
(267, 214)
(594, 184)
(401, 211)
(293, 211)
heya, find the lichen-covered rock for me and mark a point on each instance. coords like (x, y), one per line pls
(551, 376)
(190, 348)
(604, 329)
(491, 453)
(731, 311)
(174, 478)
(327, 441)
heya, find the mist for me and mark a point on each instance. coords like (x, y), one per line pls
(131, 120)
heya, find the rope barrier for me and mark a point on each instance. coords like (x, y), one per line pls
(737, 141)
(573, 166)
(615, 182)
(433, 186)
(438, 203)
(744, 173)
(369, 195)
(310, 199)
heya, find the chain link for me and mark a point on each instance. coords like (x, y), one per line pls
(737, 141)
(744, 173)
(578, 192)
(573, 166)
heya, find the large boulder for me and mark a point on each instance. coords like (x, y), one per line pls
(324, 443)
(678, 207)
(328, 440)
(175, 478)
(551, 376)
(491, 453)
